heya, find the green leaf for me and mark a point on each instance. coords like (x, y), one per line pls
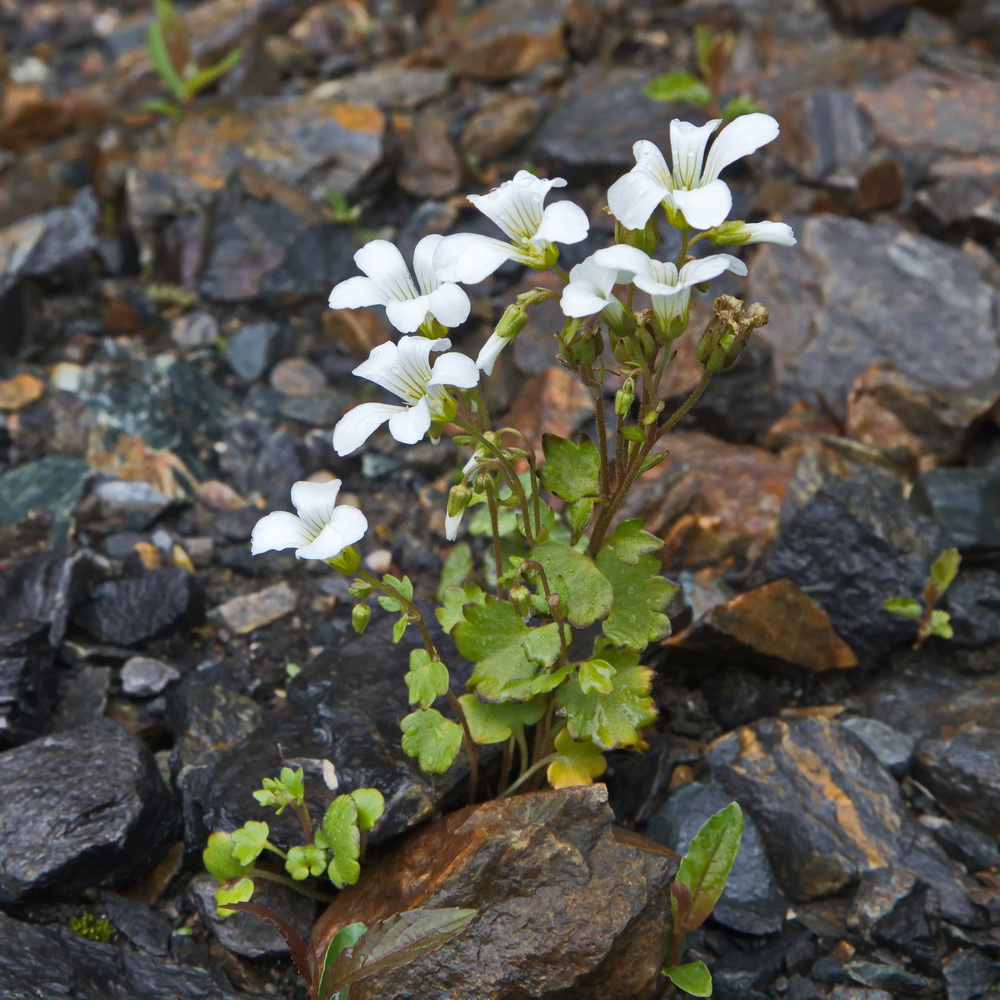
(161, 106)
(497, 723)
(507, 653)
(578, 763)
(640, 595)
(692, 978)
(940, 624)
(219, 860)
(652, 461)
(578, 581)
(616, 719)
(397, 941)
(456, 568)
(432, 739)
(176, 36)
(679, 86)
(305, 860)
(708, 861)
(905, 606)
(402, 623)
(578, 514)
(426, 680)
(249, 841)
(159, 56)
(744, 104)
(346, 937)
(340, 835)
(404, 586)
(704, 43)
(453, 602)
(630, 541)
(597, 677)
(282, 791)
(371, 806)
(945, 569)
(571, 471)
(206, 75)
(235, 892)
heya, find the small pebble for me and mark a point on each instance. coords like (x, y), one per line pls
(143, 676)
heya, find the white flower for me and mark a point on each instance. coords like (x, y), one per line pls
(669, 288)
(389, 284)
(737, 234)
(589, 292)
(453, 521)
(405, 370)
(516, 207)
(694, 188)
(320, 530)
(490, 351)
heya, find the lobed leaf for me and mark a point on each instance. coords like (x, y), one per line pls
(432, 739)
(640, 595)
(426, 679)
(219, 860)
(940, 624)
(249, 841)
(586, 591)
(578, 763)
(371, 806)
(453, 602)
(490, 723)
(340, 835)
(571, 471)
(945, 569)
(905, 606)
(305, 860)
(630, 541)
(232, 892)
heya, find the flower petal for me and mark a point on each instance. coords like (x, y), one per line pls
(350, 522)
(687, 150)
(778, 233)
(454, 369)
(705, 206)
(634, 197)
(280, 530)
(423, 262)
(410, 423)
(469, 257)
(516, 205)
(347, 527)
(696, 271)
(356, 426)
(581, 300)
(630, 260)
(407, 314)
(314, 502)
(562, 222)
(452, 523)
(384, 264)
(487, 357)
(449, 305)
(356, 292)
(739, 138)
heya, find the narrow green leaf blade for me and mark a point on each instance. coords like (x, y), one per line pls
(945, 569)
(679, 86)
(692, 978)
(159, 56)
(709, 860)
(346, 937)
(905, 606)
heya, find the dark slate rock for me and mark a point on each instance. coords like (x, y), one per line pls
(294, 256)
(854, 293)
(83, 697)
(897, 981)
(801, 989)
(47, 588)
(962, 768)
(742, 972)
(145, 927)
(144, 607)
(102, 815)
(253, 349)
(964, 501)
(976, 850)
(53, 963)
(260, 459)
(51, 486)
(973, 601)
(855, 543)
(893, 749)
(144, 676)
(138, 502)
(27, 682)
(752, 902)
(601, 113)
(970, 974)
(890, 908)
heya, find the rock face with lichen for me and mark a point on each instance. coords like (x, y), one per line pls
(568, 907)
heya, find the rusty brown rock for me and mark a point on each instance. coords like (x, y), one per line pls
(430, 167)
(501, 126)
(20, 391)
(774, 622)
(552, 402)
(566, 909)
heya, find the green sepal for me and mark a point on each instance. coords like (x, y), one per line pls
(707, 863)
(905, 606)
(630, 541)
(249, 841)
(940, 624)
(432, 739)
(679, 87)
(497, 723)
(453, 602)
(340, 835)
(426, 680)
(577, 580)
(579, 762)
(640, 595)
(305, 860)
(371, 806)
(571, 471)
(219, 860)
(239, 891)
(692, 978)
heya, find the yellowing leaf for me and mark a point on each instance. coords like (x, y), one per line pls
(578, 763)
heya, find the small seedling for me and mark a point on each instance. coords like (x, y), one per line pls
(168, 43)
(930, 619)
(695, 891)
(91, 927)
(343, 211)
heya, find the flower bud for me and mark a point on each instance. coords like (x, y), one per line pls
(512, 322)
(646, 239)
(360, 616)
(459, 498)
(520, 597)
(625, 397)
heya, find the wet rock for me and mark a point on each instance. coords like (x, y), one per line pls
(298, 377)
(247, 935)
(973, 602)
(251, 611)
(83, 697)
(890, 909)
(889, 977)
(562, 904)
(429, 166)
(27, 682)
(926, 108)
(38, 960)
(145, 927)
(135, 500)
(145, 677)
(260, 459)
(960, 187)
(102, 816)
(832, 317)
(964, 502)
(598, 117)
(743, 973)
(967, 845)
(294, 254)
(962, 768)
(855, 543)
(969, 974)
(394, 87)
(508, 39)
(751, 902)
(47, 587)
(774, 622)
(825, 807)
(893, 749)
(253, 349)
(156, 603)
(854, 993)
(41, 244)
(501, 126)
(51, 486)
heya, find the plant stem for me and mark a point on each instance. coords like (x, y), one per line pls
(290, 883)
(533, 770)
(491, 501)
(304, 820)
